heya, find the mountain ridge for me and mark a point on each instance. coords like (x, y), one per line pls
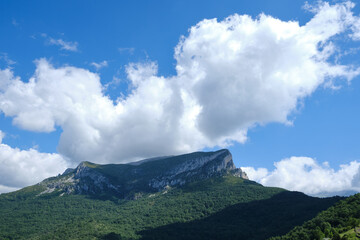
(200, 195)
(148, 175)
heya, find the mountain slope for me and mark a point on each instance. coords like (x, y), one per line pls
(258, 219)
(341, 221)
(199, 193)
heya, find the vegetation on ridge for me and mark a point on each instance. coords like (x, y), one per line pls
(340, 221)
(225, 206)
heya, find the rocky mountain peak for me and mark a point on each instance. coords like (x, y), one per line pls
(150, 175)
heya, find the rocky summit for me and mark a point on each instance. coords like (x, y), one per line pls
(132, 180)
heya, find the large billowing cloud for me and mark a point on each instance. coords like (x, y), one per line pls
(231, 75)
(304, 174)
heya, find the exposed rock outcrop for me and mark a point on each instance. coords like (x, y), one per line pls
(198, 168)
(131, 180)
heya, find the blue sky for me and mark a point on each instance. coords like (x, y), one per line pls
(127, 49)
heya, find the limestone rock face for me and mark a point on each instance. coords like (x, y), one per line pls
(152, 175)
(202, 167)
(239, 173)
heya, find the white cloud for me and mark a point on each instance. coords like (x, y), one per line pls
(244, 72)
(112, 84)
(6, 59)
(6, 79)
(5, 189)
(2, 135)
(304, 174)
(231, 75)
(99, 65)
(14, 22)
(93, 126)
(68, 46)
(256, 174)
(339, 13)
(21, 168)
(127, 50)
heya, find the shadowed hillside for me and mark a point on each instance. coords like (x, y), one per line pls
(192, 196)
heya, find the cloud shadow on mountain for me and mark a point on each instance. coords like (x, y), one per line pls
(253, 220)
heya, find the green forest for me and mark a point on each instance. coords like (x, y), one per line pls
(217, 208)
(340, 221)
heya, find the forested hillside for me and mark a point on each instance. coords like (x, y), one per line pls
(224, 207)
(340, 221)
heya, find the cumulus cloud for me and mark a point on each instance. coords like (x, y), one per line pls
(340, 14)
(21, 168)
(231, 75)
(2, 135)
(257, 71)
(94, 128)
(64, 45)
(304, 174)
(99, 65)
(6, 78)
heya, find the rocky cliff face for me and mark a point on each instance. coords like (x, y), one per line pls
(131, 180)
(197, 168)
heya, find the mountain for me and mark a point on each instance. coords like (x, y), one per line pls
(146, 176)
(341, 221)
(199, 195)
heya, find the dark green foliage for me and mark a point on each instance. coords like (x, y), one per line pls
(218, 208)
(340, 221)
(251, 220)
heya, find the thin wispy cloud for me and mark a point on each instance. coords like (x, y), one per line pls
(64, 45)
(115, 81)
(99, 65)
(126, 50)
(4, 57)
(14, 22)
